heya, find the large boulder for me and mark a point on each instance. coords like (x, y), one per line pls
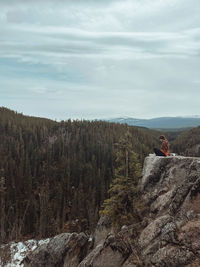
(62, 250)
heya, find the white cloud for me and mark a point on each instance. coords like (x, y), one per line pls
(118, 56)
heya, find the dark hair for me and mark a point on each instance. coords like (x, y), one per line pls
(162, 137)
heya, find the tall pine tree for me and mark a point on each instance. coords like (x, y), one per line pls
(123, 193)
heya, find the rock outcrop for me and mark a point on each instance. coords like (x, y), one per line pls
(171, 191)
(168, 235)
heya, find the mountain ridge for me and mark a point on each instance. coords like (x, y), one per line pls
(160, 122)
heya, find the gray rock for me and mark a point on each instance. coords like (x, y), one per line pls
(63, 250)
(171, 190)
(112, 253)
(172, 256)
(103, 228)
(153, 230)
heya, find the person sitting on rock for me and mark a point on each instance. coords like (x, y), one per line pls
(164, 151)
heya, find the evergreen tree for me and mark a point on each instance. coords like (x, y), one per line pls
(123, 193)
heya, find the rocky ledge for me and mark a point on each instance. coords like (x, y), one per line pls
(168, 235)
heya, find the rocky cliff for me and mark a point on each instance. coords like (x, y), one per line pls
(168, 235)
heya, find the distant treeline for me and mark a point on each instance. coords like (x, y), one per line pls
(188, 143)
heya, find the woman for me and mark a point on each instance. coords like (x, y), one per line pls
(164, 151)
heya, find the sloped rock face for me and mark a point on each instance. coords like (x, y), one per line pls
(109, 250)
(171, 193)
(103, 229)
(112, 253)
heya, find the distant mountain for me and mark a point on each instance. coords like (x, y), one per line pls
(161, 123)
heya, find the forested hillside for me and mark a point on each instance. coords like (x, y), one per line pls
(55, 176)
(188, 143)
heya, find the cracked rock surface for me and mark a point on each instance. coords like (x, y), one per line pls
(171, 192)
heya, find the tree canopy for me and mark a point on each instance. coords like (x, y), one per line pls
(55, 176)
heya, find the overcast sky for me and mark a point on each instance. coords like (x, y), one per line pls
(100, 58)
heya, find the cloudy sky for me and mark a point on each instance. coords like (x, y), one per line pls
(100, 58)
